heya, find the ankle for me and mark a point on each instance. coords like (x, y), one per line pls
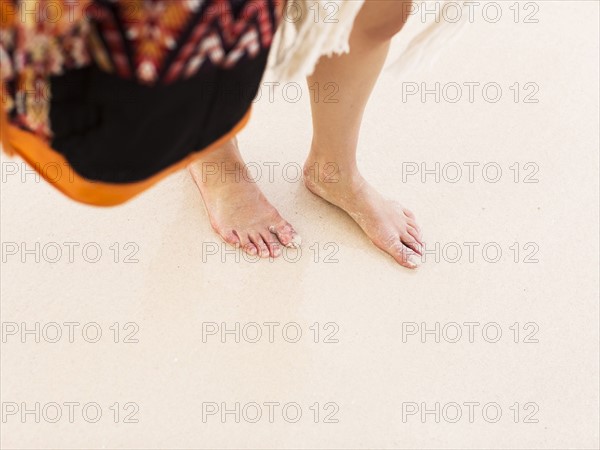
(326, 169)
(220, 166)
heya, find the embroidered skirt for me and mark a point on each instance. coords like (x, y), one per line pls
(120, 93)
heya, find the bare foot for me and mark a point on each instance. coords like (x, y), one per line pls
(390, 227)
(238, 210)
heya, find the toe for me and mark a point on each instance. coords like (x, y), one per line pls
(245, 244)
(415, 233)
(272, 243)
(258, 241)
(250, 248)
(286, 235)
(402, 255)
(413, 223)
(394, 247)
(411, 242)
(408, 213)
(231, 238)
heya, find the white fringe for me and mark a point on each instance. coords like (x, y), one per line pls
(299, 44)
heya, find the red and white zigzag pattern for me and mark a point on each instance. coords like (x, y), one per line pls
(219, 31)
(219, 37)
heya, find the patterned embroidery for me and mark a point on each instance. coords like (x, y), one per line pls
(151, 41)
(153, 30)
(224, 39)
(31, 49)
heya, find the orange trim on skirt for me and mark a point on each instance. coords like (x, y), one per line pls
(38, 154)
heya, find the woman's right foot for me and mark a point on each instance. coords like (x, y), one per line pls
(238, 210)
(391, 227)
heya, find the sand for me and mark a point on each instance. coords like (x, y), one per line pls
(336, 332)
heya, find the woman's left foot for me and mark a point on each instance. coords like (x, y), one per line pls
(237, 208)
(390, 227)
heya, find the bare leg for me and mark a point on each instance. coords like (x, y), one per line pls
(336, 126)
(238, 210)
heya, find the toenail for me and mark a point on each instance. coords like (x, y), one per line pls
(295, 243)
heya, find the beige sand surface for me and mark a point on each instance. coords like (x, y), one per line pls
(371, 371)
